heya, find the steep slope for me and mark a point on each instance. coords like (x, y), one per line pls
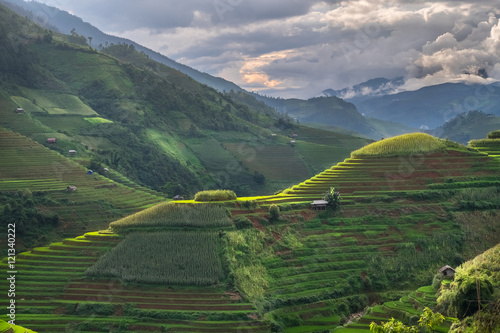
(44, 177)
(405, 213)
(53, 18)
(150, 122)
(463, 298)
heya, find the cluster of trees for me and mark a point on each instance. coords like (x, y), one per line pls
(21, 209)
(428, 321)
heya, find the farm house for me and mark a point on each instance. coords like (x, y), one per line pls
(72, 152)
(447, 271)
(71, 189)
(51, 140)
(19, 110)
(319, 204)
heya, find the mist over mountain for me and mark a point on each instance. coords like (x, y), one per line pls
(372, 88)
(432, 106)
(425, 108)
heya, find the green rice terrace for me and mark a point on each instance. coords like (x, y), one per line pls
(95, 201)
(272, 263)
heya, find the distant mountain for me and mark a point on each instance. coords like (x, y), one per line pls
(369, 89)
(430, 107)
(324, 110)
(468, 126)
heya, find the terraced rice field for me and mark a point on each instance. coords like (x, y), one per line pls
(387, 204)
(381, 176)
(328, 267)
(25, 164)
(407, 309)
(56, 296)
(488, 146)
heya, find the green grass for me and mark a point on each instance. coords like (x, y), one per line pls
(174, 147)
(164, 258)
(403, 145)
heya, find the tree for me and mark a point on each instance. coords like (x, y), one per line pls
(428, 320)
(259, 178)
(471, 290)
(333, 198)
(392, 326)
(274, 212)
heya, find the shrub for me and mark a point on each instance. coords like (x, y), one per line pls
(242, 222)
(249, 204)
(274, 213)
(436, 281)
(215, 195)
(97, 309)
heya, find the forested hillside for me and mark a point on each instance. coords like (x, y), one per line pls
(150, 122)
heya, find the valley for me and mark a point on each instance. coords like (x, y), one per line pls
(147, 200)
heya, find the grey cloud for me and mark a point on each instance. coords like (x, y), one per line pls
(425, 41)
(119, 15)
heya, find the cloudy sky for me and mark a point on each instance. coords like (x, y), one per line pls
(298, 48)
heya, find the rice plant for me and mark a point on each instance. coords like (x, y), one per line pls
(180, 258)
(168, 215)
(407, 144)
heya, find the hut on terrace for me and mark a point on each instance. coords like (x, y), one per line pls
(447, 271)
(319, 204)
(71, 189)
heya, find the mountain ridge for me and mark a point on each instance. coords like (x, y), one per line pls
(306, 111)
